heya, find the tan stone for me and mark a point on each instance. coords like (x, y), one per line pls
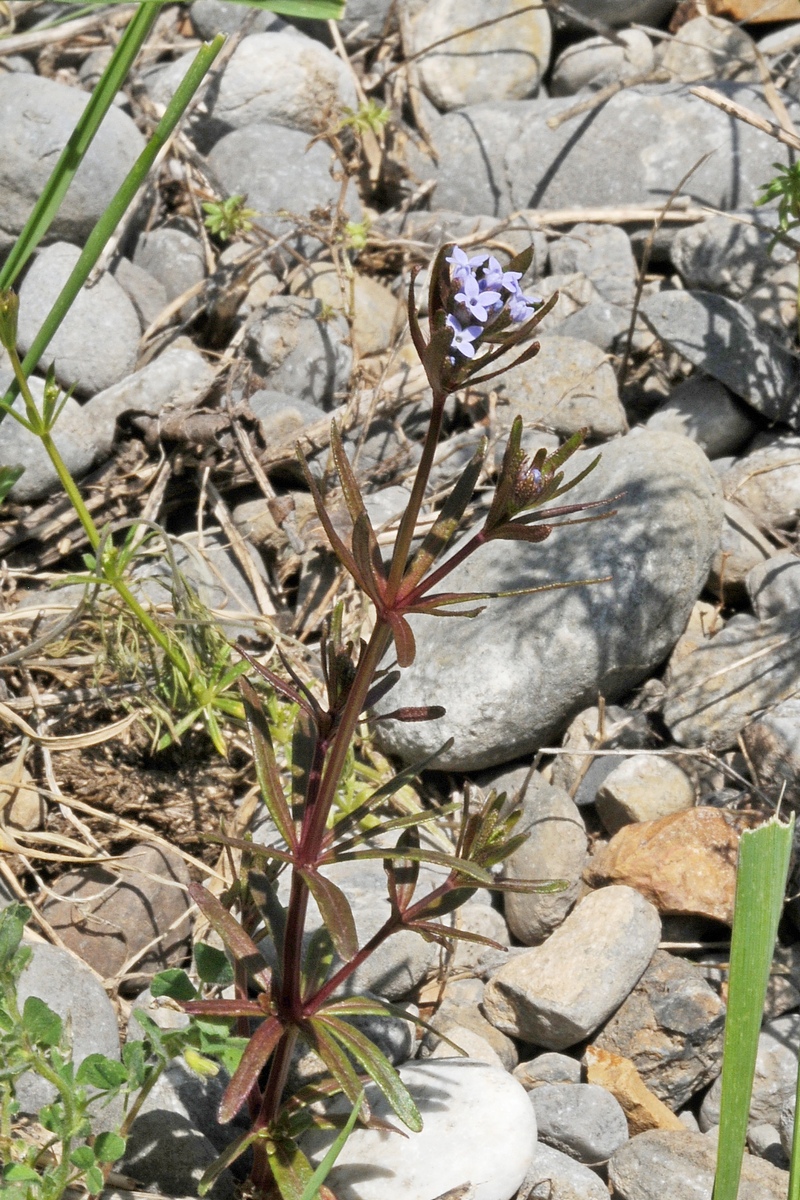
(684, 863)
(20, 803)
(377, 313)
(619, 1076)
(703, 623)
(756, 10)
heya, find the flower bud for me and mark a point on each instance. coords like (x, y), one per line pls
(9, 310)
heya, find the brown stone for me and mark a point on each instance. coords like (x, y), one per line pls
(20, 803)
(684, 863)
(756, 10)
(619, 1076)
(107, 913)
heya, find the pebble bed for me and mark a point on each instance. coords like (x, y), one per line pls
(661, 704)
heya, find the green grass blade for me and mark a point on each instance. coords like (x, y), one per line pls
(760, 885)
(323, 1170)
(72, 155)
(794, 1166)
(112, 216)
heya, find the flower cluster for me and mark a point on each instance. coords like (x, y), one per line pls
(482, 292)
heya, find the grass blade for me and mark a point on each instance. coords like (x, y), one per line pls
(323, 1170)
(760, 884)
(794, 1165)
(113, 215)
(72, 155)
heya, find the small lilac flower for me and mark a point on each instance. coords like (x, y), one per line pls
(463, 266)
(519, 306)
(478, 302)
(495, 277)
(463, 338)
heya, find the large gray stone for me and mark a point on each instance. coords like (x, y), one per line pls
(570, 385)
(504, 61)
(512, 678)
(682, 1165)
(211, 17)
(603, 253)
(723, 339)
(76, 994)
(595, 62)
(704, 410)
(634, 149)
(168, 1154)
(671, 1027)
(767, 480)
(278, 171)
(725, 254)
(748, 667)
(177, 377)
(557, 994)
(40, 116)
(98, 340)
(176, 259)
(478, 1129)
(775, 1075)
(274, 77)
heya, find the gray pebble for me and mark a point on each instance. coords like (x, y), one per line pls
(550, 1067)
(298, 352)
(579, 1119)
(75, 993)
(704, 410)
(557, 994)
(45, 114)
(98, 340)
(555, 1176)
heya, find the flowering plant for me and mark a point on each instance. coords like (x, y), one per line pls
(301, 996)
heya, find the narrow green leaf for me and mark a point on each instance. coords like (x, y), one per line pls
(794, 1163)
(174, 983)
(403, 873)
(318, 961)
(469, 869)
(324, 1169)
(335, 912)
(13, 920)
(352, 492)
(229, 1155)
(368, 556)
(42, 1025)
(81, 138)
(315, 10)
(337, 545)
(105, 227)
(267, 773)
(378, 1067)
(98, 1071)
(764, 855)
(290, 1168)
(8, 477)
(388, 789)
(337, 1062)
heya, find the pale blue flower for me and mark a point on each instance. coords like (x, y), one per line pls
(463, 338)
(479, 303)
(495, 277)
(519, 306)
(463, 266)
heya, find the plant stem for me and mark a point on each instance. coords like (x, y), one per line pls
(405, 534)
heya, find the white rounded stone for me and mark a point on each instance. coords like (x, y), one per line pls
(479, 1129)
